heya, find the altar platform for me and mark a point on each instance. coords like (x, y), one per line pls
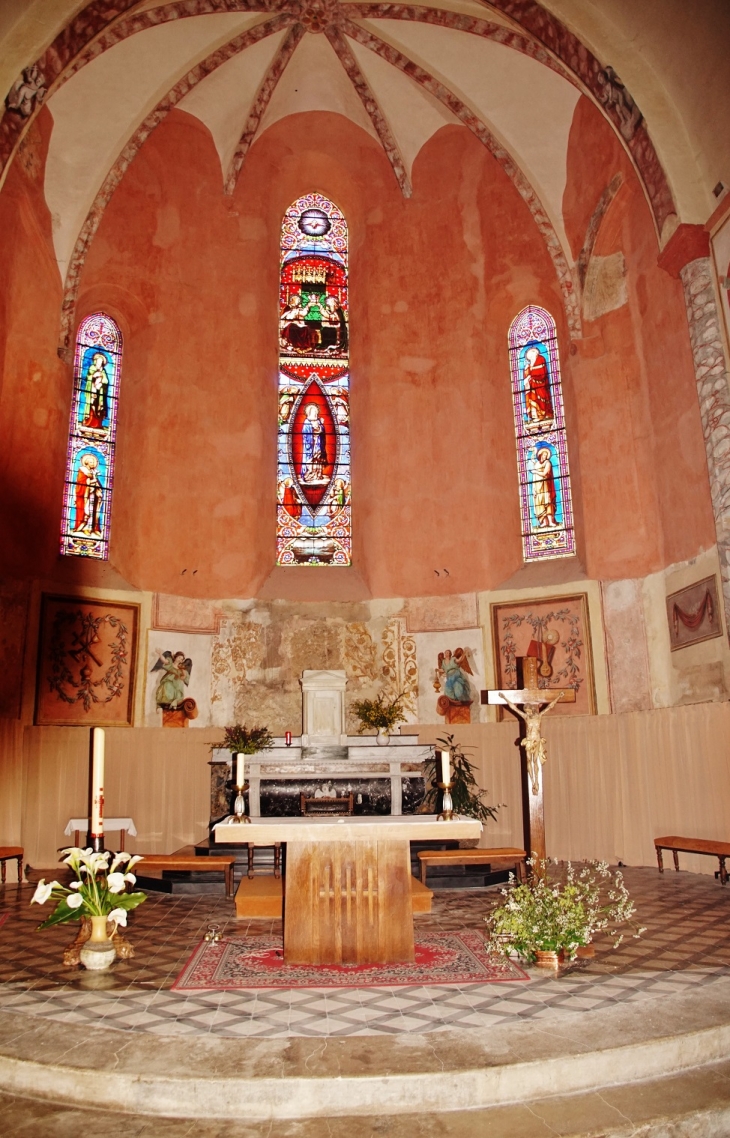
(635, 1040)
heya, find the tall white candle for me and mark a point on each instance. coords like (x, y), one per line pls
(239, 769)
(97, 782)
(445, 769)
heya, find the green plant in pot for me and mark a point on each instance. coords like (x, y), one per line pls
(546, 921)
(379, 714)
(466, 795)
(243, 740)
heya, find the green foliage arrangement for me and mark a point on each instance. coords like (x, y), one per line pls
(100, 890)
(465, 792)
(547, 916)
(379, 714)
(244, 740)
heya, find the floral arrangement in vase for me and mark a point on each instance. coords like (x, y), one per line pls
(466, 794)
(547, 921)
(99, 893)
(243, 740)
(379, 714)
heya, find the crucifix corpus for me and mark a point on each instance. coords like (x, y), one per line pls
(530, 703)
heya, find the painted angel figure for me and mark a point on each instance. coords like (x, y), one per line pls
(453, 670)
(176, 669)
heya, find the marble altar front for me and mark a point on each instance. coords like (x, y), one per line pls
(388, 780)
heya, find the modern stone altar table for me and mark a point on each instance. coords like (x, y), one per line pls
(347, 885)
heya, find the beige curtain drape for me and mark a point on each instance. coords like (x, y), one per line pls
(612, 783)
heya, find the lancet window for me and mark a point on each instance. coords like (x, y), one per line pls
(90, 461)
(313, 476)
(542, 449)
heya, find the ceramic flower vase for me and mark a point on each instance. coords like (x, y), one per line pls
(98, 953)
(382, 738)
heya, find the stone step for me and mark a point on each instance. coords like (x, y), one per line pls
(625, 1070)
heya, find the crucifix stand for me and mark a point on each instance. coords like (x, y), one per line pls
(530, 703)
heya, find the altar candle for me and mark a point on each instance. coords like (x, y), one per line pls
(239, 769)
(288, 738)
(445, 771)
(97, 782)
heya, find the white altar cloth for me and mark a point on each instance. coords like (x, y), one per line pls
(116, 824)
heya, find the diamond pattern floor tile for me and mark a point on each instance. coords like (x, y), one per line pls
(686, 945)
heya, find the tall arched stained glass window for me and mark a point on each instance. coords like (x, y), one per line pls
(90, 462)
(313, 510)
(542, 448)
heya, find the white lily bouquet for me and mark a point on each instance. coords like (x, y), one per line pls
(100, 889)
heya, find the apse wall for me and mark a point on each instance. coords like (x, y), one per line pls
(191, 277)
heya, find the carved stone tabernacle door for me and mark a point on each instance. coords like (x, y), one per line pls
(348, 903)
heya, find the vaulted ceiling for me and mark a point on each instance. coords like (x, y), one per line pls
(508, 70)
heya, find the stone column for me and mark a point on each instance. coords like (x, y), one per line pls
(686, 256)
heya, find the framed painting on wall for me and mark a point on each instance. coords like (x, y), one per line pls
(694, 614)
(87, 656)
(555, 630)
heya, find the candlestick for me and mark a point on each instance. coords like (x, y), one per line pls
(96, 831)
(239, 770)
(287, 738)
(445, 767)
(447, 805)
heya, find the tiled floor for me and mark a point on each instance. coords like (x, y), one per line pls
(687, 944)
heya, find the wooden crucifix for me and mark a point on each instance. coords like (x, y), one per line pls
(530, 703)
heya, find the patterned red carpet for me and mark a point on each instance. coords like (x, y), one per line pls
(258, 962)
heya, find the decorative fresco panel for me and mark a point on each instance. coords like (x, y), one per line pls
(694, 614)
(313, 479)
(178, 680)
(555, 630)
(90, 461)
(542, 449)
(86, 662)
(451, 676)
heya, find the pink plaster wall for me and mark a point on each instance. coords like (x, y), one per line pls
(646, 499)
(191, 275)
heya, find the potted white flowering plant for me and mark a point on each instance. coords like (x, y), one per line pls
(99, 893)
(547, 921)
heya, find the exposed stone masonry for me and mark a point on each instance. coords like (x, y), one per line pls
(713, 390)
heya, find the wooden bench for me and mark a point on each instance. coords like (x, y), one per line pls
(11, 853)
(191, 863)
(677, 845)
(503, 856)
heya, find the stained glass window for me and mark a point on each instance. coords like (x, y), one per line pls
(90, 462)
(313, 477)
(542, 449)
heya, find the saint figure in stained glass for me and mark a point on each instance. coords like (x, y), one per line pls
(90, 459)
(313, 496)
(542, 449)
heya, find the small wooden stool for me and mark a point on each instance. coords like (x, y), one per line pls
(8, 853)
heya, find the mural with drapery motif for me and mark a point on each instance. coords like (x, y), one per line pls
(313, 478)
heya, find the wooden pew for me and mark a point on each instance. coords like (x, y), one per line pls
(191, 863)
(678, 845)
(502, 857)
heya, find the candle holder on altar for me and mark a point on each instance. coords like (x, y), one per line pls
(447, 806)
(239, 805)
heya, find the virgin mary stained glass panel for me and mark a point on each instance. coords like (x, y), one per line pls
(90, 461)
(313, 477)
(542, 449)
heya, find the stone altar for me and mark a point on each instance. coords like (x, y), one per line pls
(397, 770)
